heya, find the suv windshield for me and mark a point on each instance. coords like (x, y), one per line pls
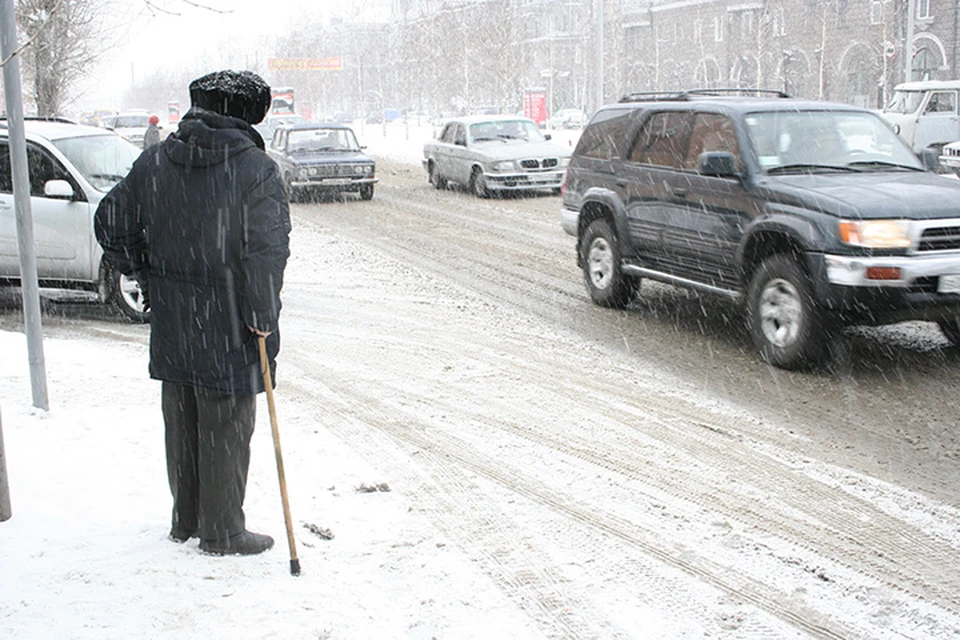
(904, 101)
(103, 159)
(505, 130)
(306, 140)
(845, 140)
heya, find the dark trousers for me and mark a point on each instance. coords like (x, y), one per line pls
(208, 454)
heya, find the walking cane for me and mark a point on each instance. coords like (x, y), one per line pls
(268, 385)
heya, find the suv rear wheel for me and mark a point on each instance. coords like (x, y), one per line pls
(600, 256)
(785, 323)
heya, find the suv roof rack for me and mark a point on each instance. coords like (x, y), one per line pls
(684, 96)
(3, 119)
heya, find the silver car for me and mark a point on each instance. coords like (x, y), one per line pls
(71, 168)
(491, 154)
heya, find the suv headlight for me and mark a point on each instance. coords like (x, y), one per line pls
(876, 234)
(503, 165)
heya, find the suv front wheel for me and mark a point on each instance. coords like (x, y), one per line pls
(600, 257)
(124, 293)
(784, 320)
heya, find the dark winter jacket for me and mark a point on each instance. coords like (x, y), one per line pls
(202, 222)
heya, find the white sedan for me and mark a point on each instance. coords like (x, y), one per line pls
(493, 154)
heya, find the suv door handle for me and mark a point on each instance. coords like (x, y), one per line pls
(680, 192)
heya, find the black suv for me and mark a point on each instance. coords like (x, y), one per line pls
(815, 215)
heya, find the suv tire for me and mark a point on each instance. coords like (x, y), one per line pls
(124, 293)
(600, 257)
(784, 320)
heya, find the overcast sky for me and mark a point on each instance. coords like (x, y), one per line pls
(185, 34)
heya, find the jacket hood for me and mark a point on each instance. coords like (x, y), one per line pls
(205, 138)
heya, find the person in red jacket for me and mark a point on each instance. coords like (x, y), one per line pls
(202, 222)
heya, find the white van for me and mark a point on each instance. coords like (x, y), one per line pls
(925, 113)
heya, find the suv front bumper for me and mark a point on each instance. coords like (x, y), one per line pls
(927, 287)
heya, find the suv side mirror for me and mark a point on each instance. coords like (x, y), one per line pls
(59, 189)
(720, 164)
(930, 158)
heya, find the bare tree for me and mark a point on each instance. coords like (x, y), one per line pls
(65, 38)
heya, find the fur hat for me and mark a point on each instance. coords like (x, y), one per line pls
(240, 94)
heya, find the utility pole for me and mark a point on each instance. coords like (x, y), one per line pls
(908, 44)
(599, 71)
(21, 201)
(5, 512)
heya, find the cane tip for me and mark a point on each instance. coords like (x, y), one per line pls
(294, 567)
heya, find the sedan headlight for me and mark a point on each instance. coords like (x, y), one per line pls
(363, 169)
(876, 234)
(564, 162)
(503, 165)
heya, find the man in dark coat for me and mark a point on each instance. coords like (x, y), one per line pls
(202, 222)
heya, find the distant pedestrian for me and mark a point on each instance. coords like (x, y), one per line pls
(202, 222)
(152, 135)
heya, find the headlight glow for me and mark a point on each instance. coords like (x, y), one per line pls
(875, 234)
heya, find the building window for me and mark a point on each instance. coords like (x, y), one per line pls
(924, 9)
(779, 22)
(718, 29)
(876, 12)
(746, 23)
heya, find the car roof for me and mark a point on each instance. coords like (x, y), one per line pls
(57, 129)
(314, 125)
(468, 120)
(926, 85)
(729, 100)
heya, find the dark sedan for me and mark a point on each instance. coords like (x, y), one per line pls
(317, 157)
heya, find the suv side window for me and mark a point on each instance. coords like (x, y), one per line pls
(6, 173)
(663, 139)
(711, 132)
(43, 168)
(601, 139)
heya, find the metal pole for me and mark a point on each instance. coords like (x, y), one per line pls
(908, 44)
(5, 511)
(21, 202)
(599, 73)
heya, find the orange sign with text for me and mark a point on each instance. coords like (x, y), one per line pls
(304, 64)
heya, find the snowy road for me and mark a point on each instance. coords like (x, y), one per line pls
(608, 469)
(631, 474)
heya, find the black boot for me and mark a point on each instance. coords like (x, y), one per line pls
(245, 543)
(179, 534)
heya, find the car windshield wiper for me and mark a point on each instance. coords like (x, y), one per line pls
(800, 167)
(880, 164)
(488, 139)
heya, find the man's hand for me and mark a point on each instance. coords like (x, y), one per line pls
(262, 334)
